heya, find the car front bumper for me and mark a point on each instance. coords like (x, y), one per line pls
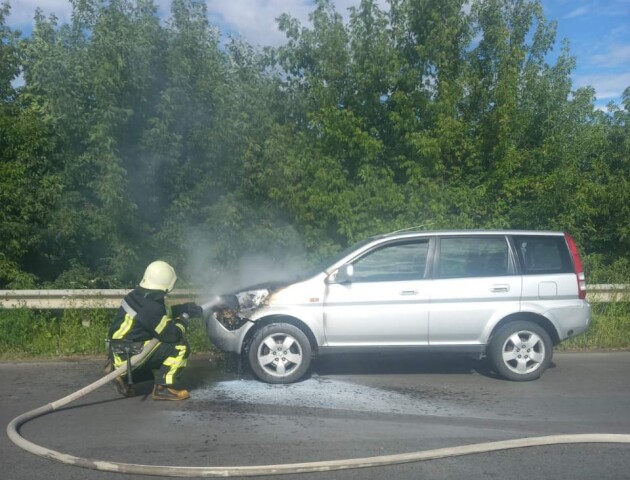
(225, 339)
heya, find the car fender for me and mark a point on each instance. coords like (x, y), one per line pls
(309, 314)
(496, 319)
(528, 310)
(569, 317)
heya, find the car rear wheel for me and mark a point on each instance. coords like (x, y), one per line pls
(521, 351)
(279, 353)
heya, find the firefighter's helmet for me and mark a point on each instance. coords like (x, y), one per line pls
(159, 275)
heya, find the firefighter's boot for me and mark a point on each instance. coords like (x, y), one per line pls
(119, 382)
(161, 392)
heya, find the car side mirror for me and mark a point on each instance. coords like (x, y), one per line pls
(343, 275)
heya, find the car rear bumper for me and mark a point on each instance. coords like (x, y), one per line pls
(572, 321)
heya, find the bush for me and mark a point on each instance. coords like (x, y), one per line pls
(24, 332)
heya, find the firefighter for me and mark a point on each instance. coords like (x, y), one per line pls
(144, 315)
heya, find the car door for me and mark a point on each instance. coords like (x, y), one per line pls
(385, 300)
(475, 285)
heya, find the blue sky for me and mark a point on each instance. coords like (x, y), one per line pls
(598, 31)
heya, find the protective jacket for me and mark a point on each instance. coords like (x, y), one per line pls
(142, 316)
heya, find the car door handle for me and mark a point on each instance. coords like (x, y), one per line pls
(409, 292)
(500, 288)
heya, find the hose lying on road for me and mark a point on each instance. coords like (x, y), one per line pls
(244, 471)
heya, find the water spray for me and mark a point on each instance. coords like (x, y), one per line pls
(210, 305)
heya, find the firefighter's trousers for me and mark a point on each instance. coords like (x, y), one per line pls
(169, 359)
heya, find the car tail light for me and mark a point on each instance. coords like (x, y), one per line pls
(577, 265)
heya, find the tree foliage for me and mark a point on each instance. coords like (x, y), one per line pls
(133, 138)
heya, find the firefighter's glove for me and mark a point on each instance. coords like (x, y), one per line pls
(193, 309)
(182, 322)
(196, 311)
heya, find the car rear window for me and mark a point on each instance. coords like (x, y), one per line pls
(539, 255)
(473, 257)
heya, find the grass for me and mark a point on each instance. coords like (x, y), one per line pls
(605, 333)
(609, 330)
(26, 333)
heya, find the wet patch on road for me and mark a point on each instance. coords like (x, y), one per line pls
(331, 394)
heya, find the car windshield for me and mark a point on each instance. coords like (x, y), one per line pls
(323, 265)
(294, 276)
(329, 261)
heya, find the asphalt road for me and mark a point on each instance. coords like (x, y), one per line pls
(353, 406)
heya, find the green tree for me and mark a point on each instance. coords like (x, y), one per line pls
(29, 181)
(437, 113)
(133, 139)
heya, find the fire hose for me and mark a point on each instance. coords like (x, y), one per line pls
(261, 470)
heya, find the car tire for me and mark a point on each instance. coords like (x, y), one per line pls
(279, 353)
(520, 351)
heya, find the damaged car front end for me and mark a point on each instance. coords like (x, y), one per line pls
(228, 317)
(275, 326)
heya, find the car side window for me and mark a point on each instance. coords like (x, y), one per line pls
(539, 255)
(397, 262)
(473, 257)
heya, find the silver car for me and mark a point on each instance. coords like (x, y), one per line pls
(509, 295)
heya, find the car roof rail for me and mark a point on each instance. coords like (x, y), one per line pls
(422, 227)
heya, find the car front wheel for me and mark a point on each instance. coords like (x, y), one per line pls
(279, 353)
(520, 351)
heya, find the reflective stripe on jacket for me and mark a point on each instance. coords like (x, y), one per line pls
(143, 315)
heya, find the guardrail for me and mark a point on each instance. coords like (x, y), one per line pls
(83, 298)
(62, 299)
(608, 293)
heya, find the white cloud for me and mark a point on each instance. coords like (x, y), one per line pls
(23, 11)
(255, 20)
(607, 86)
(578, 12)
(616, 55)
